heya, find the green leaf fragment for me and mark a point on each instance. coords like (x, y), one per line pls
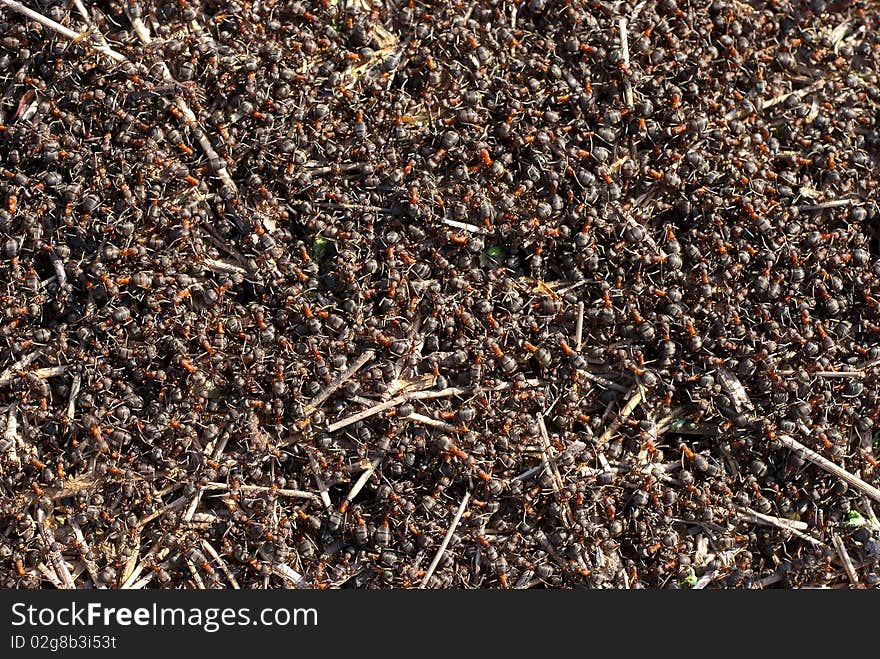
(494, 253)
(854, 520)
(689, 581)
(319, 247)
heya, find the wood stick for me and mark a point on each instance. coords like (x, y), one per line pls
(359, 484)
(102, 47)
(529, 472)
(338, 382)
(749, 515)
(365, 414)
(215, 265)
(446, 539)
(55, 557)
(44, 569)
(221, 444)
(85, 553)
(608, 384)
(42, 20)
(60, 29)
(196, 576)
(823, 463)
(285, 572)
(845, 559)
(10, 434)
(834, 203)
(423, 395)
(135, 573)
(48, 372)
(316, 471)
(776, 521)
(545, 450)
(434, 423)
(800, 93)
(631, 405)
(20, 364)
(839, 374)
(624, 56)
(142, 582)
(174, 505)
(705, 580)
(74, 392)
(143, 33)
(293, 494)
(550, 464)
(769, 580)
(579, 328)
(229, 576)
(439, 393)
(464, 226)
(870, 510)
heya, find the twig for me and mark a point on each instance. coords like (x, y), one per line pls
(605, 382)
(631, 405)
(705, 580)
(845, 559)
(143, 33)
(779, 522)
(549, 465)
(464, 226)
(769, 580)
(359, 484)
(142, 582)
(85, 553)
(60, 29)
(135, 573)
(579, 328)
(48, 372)
(196, 577)
(193, 505)
(221, 563)
(800, 93)
(285, 572)
(293, 494)
(439, 393)
(103, 47)
(43, 569)
(20, 364)
(74, 392)
(316, 471)
(221, 444)
(839, 374)
(174, 505)
(835, 203)
(358, 207)
(529, 472)
(10, 434)
(624, 56)
(871, 514)
(446, 539)
(54, 554)
(749, 515)
(734, 389)
(338, 382)
(216, 265)
(827, 465)
(376, 409)
(434, 423)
